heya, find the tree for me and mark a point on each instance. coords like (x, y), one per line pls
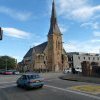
(7, 62)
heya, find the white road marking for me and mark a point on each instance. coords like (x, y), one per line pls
(75, 92)
(6, 86)
(7, 82)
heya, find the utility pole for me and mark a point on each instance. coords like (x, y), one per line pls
(1, 33)
(16, 63)
(6, 64)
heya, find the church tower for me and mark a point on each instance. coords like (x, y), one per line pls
(54, 61)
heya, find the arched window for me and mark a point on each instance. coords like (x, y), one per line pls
(59, 45)
(39, 57)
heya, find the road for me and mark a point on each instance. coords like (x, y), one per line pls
(54, 89)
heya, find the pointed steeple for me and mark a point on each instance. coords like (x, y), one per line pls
(54, 29)
(53, 16)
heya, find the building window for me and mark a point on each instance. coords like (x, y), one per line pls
(84, 58)
(98, 58)
(71, 59)
(44, 62)
(89, 58)
(46, 57)
(93, 58)
(38, 57)
(78, 57)
(59, 45)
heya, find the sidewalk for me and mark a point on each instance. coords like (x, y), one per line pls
(10, 78)
(80, 78)
(51, 75)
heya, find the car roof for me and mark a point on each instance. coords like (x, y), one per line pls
(31, 74)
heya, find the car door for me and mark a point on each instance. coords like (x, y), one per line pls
(20, 81)
(24, 80)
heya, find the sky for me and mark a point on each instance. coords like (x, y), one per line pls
(26, 23)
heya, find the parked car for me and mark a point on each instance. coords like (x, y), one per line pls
(67, 71)
(2, 71)
(8, 72)
(30, 81)
(78, 70)
(15, 72)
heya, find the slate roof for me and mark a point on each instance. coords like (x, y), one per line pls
(38, 49)
(29, 53)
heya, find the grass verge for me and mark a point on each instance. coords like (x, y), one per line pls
(93, 89)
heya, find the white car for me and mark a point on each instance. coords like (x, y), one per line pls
(16, 72)
(67, 71)
(78, 70)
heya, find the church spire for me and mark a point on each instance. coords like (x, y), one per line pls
(54, 29)
(53, 16)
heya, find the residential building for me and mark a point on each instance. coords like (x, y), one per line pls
(76, 58)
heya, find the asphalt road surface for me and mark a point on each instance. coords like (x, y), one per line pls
(54, 89)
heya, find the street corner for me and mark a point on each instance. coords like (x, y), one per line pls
(90, 89)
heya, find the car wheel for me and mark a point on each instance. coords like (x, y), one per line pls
(18, 85)
(41, 86)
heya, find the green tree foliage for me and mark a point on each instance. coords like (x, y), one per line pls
(7, 62)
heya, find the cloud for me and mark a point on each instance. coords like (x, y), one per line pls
(18, 58)
(93, 25)
(91, 46)
(63, 28)
(83, 14)
(13, 32)
(80, 10)
(96, 33)
(87, 24)
(97, 17)
(95, 40)
(22, 16)
(96, 25)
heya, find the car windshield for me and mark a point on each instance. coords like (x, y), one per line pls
(33, 76)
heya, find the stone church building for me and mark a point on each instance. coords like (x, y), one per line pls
(49, 55)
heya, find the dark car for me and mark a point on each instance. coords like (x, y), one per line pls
(30, 81)
(2, 71)
(8, 72)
